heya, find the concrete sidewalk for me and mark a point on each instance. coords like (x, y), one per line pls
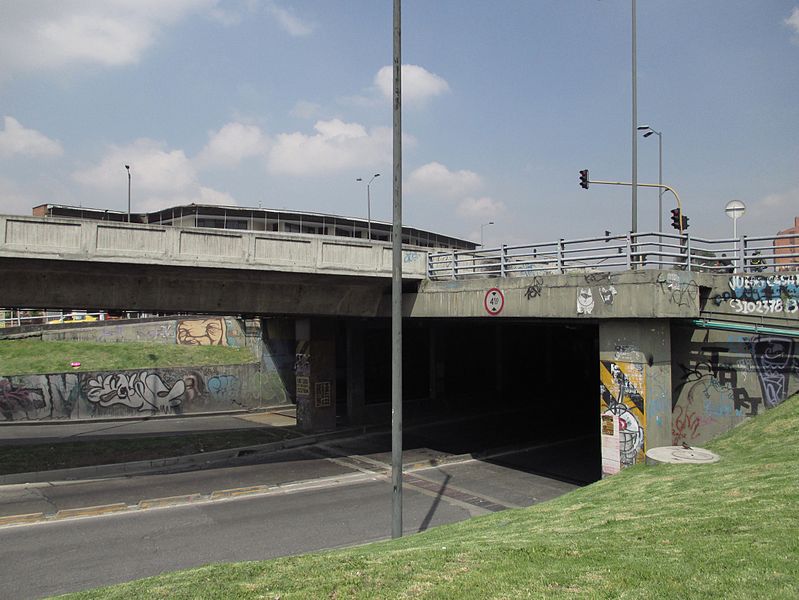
(17, 434)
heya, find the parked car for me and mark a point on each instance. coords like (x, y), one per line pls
(73, 318)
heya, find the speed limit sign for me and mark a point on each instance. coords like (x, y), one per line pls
(494, 301)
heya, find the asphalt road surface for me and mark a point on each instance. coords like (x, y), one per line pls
(352, 507)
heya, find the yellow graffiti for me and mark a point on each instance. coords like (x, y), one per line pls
(623, 394)
(202, 332)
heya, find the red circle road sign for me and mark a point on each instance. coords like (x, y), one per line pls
(494, 301)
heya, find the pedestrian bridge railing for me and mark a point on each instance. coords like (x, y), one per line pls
(663, 251)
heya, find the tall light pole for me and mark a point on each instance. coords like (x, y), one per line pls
(482, 227)
(649, 131)
(396, 285)
(128, 168)
(635, 126)
(369, 205)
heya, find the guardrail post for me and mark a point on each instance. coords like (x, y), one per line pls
(688, 251)
(502, 257)
(741, 254)
(454, 268)
(560, 256)
(630, 251)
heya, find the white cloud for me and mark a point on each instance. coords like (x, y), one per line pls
(336, 145)
(16, 139)
(793, 23)
(160, 177)
(437, 180)
(483, 208)
(418, 84)
(232, 144)
(304, 109)
(289, 22)
(50, 34)
(153, 168)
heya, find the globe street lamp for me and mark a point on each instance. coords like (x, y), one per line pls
(482, 227)
(369, 204)
(647, 132)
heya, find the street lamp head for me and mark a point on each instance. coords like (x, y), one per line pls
(648, 133)
(127, 167)
(377, 174)
(643, 127)
(359, 179)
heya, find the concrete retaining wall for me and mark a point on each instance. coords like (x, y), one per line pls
(720, 378)
(134, 393)
(196, 330)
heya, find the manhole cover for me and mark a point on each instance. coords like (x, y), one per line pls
(680, 455)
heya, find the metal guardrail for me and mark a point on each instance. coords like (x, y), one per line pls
(663, 251)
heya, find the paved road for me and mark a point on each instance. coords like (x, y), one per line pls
(58, 557)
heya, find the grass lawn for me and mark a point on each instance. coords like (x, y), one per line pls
(727, 530)
(29, 357)
(64, 455)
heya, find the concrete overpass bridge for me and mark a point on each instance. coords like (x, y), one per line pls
(639, 341)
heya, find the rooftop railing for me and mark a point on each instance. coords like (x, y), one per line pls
(663, 251)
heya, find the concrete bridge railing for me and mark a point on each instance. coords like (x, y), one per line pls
(68, 239)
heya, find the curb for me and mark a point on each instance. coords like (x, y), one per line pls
(187, 499)
(147, 466)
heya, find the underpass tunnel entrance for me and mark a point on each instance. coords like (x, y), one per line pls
(478, 386)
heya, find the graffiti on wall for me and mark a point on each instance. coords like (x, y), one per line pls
(127, 393)
(141, 391)
(725, 382)
(761, 294)
(19, 400)
(585, 301)
(679, 292)
(622, 398)
(202, 332)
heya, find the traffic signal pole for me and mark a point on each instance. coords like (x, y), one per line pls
(629, 184)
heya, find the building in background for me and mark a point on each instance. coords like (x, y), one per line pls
(260, 219)
(787, 248)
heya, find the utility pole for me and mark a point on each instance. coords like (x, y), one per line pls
(128, 168)
(635, 126)
(396, 290)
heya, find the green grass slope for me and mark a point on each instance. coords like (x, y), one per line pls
(29, 357)
(727, 530)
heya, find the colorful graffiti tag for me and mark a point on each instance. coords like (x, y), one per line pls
(723, 383)
(202, 332)
(128, 393)
(762, 294)
(623, 421)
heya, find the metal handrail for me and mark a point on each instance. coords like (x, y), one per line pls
(631, 251)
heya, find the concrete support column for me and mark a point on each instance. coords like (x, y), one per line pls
(356, 383)
(253, 336)
(315, 374)
(635, 390)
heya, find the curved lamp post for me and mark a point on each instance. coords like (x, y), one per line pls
(369, 204)
(647, 132)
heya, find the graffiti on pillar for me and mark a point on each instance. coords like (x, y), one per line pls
(622, 399)
(202, 332)
(302, 368)
(324, 394)
(774, 359)
(585, 301)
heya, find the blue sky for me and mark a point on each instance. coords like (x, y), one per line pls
(284, 104)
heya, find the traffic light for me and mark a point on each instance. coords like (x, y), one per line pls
(584, 179)
(684, 222)
(676, 221)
